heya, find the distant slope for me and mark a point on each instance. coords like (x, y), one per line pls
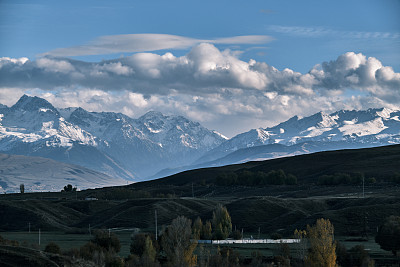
(42, 174)
(373, 162)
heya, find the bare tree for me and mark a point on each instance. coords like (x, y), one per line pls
(177, 243)
(302, 246)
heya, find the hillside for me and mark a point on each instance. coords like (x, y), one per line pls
(43, 174)
(379, 162)
(194, 193)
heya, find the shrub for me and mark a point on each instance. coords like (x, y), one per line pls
(107, 241)
(276, 236)
(237, 235)
(388, 236)
(52, 248)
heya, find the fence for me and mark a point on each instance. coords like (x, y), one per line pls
(250, 241)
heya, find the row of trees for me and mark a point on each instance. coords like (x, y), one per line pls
(219, 228)
(344, 178)
(248, 178)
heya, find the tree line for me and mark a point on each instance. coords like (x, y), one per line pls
(249, 178)
(345, 179)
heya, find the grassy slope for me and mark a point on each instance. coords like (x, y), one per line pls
(271, 207)
(373, 162)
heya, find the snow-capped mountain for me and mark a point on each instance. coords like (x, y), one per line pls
(108, 142)
(350, 129)
(134, 149)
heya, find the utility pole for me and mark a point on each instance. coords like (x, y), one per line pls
(109, 232)
(259, 230)
(39, 237)
(155, 215)
(363, 185)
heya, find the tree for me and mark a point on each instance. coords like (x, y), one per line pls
(69, 188)
(206, 233)
(149, 253)
(301, 247)
(137, 244)
(197, 228)
(356, 256)
(144, 250)
(22, 188)
(322, 248)
(107, 241)
(177, 243)
(222, 223)
(388, 236)
(52, 248)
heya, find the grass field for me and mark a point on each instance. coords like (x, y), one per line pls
(64, 240)
(67, 241)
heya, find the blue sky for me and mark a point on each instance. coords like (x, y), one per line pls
(282, 34)
(29, 28)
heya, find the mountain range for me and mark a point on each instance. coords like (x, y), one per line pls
(342, 129)
(111, 143)
(156, 145)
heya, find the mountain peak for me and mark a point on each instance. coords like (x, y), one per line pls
(152, 114)
(32, 103)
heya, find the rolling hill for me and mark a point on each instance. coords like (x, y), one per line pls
(43, 174)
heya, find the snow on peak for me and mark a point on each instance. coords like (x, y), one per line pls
(385, 113)
(262, 135)
(362, 129)
(381, 126)
(29, 103)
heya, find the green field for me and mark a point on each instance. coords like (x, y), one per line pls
(67, 241)
(64, 240)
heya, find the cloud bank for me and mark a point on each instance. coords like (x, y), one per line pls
(208, 85)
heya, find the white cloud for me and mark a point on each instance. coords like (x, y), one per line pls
(54, 65)
(356, 71)
(207, 85)
(323, 32)
(147, 42)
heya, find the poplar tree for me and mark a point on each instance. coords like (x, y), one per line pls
(322, 251)
(222, 223)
